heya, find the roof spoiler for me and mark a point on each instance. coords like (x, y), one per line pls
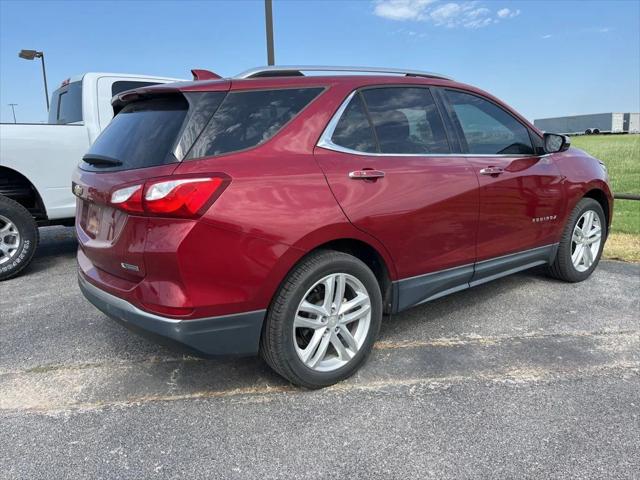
(128, 96)
(204, 75)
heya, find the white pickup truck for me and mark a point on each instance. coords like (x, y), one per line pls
(37, 160)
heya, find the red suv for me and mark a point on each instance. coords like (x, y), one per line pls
(284, 214)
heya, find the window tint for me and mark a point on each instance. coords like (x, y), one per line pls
(202, 106)
(66, 105)
(353, 129)
(124, 85)
(406, 120)
(246, 119)
(142, 134)
(487, 128)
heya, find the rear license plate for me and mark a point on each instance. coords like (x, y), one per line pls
(93, 221)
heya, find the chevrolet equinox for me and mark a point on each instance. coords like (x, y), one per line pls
(284, 214)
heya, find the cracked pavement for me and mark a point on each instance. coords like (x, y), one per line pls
(523, 377)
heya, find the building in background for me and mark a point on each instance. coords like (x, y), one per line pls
(592, 123)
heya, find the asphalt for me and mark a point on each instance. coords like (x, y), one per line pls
(524, 377)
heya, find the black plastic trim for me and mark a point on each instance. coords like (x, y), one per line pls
(237, 334)
(413, 291)
(499, 267)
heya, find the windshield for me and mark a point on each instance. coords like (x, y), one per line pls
(66, 104)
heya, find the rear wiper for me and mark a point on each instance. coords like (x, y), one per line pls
(101, 160)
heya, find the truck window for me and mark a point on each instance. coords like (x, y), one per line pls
(124, 85)
(66, 104)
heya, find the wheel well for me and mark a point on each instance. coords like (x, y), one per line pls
(17, 187)
(370, 256)
(600, 197)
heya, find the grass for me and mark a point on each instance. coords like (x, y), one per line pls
(621, 154)
(623, 246)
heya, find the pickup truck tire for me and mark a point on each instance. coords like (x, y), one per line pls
(19, 238)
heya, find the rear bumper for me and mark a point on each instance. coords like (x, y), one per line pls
(237, 334)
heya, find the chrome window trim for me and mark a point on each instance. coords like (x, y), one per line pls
(333, 68)
(325, 142)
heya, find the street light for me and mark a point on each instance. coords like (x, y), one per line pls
(268, 17)
(13, 105)
(30, 55)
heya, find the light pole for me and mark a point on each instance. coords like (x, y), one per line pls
(30, 55)
(268, 17)
(12, 105)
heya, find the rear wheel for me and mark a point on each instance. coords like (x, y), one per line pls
(18, 237)
(582, 242)
(323, 321)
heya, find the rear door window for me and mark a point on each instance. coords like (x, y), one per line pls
(487, 128)
(353, 130)
(246, 119)
(142, 134)
(406, 120)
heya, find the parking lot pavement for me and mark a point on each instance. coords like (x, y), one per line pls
(523, 377)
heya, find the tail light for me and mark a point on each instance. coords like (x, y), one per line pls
(183, 197)
(128, 199)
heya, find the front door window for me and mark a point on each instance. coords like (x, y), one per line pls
(487, 128)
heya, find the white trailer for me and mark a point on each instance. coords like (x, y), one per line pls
(634, 123)
(613, 122)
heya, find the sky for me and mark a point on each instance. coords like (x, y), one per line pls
(544, 58)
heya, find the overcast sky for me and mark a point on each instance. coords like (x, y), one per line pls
(545, 58)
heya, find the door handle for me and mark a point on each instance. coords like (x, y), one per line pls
(491, 171)
(366, 174)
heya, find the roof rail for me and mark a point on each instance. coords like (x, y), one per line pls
(296, 70)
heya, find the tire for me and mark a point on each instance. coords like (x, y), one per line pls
(282, 339)
(564, 267)
(19, 238)
(596, 131)
(588, 131)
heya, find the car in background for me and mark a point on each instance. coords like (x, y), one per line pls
(281, 213)
(37, 160)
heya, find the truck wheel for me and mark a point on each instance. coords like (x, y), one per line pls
(588, 131)
(596, 131)
(18, 238)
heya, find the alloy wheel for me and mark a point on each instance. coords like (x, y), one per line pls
(585, 240)
(332, 322)
(9, 239)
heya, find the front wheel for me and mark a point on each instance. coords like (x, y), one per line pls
(582, 242)
(18, 237)
(323, 321)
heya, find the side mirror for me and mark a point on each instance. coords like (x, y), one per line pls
(554, 142)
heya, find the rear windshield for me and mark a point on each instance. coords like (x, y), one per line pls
(246, 119)
(142, 134)
(66, 104)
